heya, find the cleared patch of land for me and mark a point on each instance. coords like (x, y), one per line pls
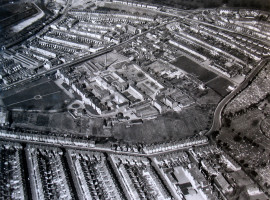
(167, 127)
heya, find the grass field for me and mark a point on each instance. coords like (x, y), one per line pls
(193, 68)
(59, 123)
(170, 126)
(212, 80)
(42, 96)
(220, 85)
(20, 88)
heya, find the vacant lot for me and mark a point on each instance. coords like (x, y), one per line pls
(20, 88)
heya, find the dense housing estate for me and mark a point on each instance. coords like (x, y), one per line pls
(118, 99)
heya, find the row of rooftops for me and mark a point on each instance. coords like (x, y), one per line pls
(136, 3)
(243, 12)
(112, 15)
(184, 143)
(48, 139)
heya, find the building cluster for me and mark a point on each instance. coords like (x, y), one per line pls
(254, 23)
(138, 4)
(93, 177)
(125, 148)
(135, 4)
(196, 172)
(81, 32)
(138, 178)
(147, 48)
(229, 54)
(183, 177)
(228, 41)
(176, 145)
(225, 173)
(12, 185)
(152, 149)
(204, 172)
(13, 70)
(121, 85)
(41, 138)
(48, 173)
(254, 50)
(205, 51)
(75, 34)
(10, 37)
(135, 81)
(250, 28)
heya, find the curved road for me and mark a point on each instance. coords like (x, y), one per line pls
(217, 115)
(216, 123)
(96, 148)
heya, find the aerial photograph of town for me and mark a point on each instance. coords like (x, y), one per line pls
(131, 100)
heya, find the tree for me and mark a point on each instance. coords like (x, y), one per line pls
(237, 138)
(253, 173)
(227, 122)
(215, 134)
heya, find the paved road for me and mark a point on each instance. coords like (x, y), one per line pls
(100, 149)
(229, 30)
(77, 61)
(215, 126)
(217, 115)
(88, 57)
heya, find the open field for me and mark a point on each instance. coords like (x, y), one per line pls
(193, 68)
(14, 13)
(220, 85)
(20, 88)
(59, 123)
(43, 96)
(217, 83)
(170, 126)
